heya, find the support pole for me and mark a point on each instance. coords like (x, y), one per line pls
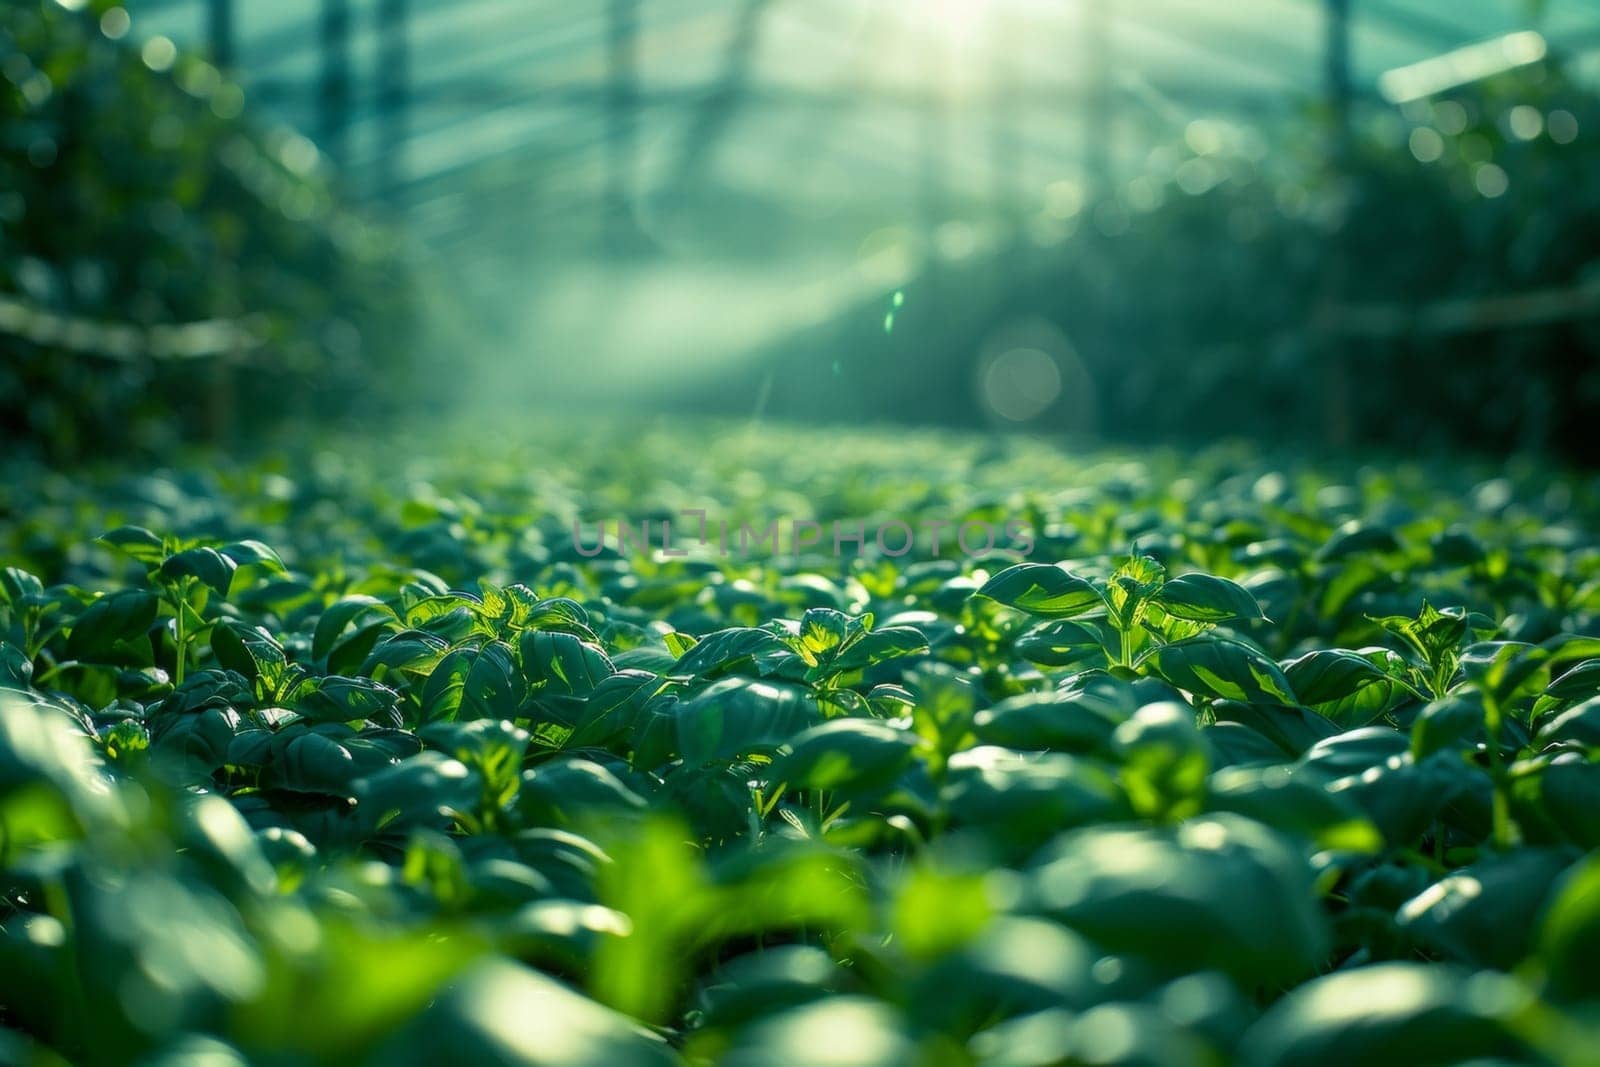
(1097, 101)
(1336, 417)
(219, 33)
(1338, 76)
(935, 133)
(394, 94)
(622, 121)
(333, 117)
(220, 378)
(1010, 190)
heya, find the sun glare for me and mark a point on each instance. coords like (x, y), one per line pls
(961, 20)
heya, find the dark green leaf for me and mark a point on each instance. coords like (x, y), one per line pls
(1204, 598)
(1217, 667)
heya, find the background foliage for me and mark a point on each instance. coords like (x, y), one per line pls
(1232, 291)
(139, 197)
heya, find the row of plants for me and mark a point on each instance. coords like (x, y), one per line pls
(139, 192)
(1249, 277)
(359, 759)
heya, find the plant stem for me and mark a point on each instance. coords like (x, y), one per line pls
(1501, 814)
(54, 670)
(181, 638)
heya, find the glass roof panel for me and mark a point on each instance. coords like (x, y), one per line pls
(808, 101)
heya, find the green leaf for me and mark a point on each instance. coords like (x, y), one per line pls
(1292, 730)
(1569, 936)
(1293, 802)
(1132, 586)
(493, 747)
(1457, 548)
(340, 699)
(946, 706)
(1221, 668)
(503, 1013)
(562, 662)
(879, 646)
(358, 983)
(1579, 683)
(1568, 795)
(1455, 722)
(17, 585)
(408, 651)
(1063, 643)
(1164, 761)
(1579, 723)
(136, 543)
(1014, 966)
(16, 669)
(725, 650)
(679, 643)
(108, 623)
(613, 710)
(937, 911)
(1328, 675)
(1435, 635)
(493, 688)
(568, 791)
(1021, 800)
(1355, 539)
(248, 650)
(1485, 914)
(206, 564)
(1391, 1013)
(765, 982)
(426, 790)
(809, 1034)
(737, 717)
(367, 613)
(1065, 721)
(1043, 589)
(1145, 892)
(822, 632)
(1506, 669)
(1204, 598)
(657, 879)
(442, 693)
(304, 761)
(848, 756)
(255, 554)
(1400, 794)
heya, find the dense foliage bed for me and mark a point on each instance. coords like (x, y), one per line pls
(361, 757)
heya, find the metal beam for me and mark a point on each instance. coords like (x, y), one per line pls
(717, 109)
(1436, 33)
(483, 97)
(478, 93)
(1531, 308)
(824, 103)
(1224, 40)
(518, 153)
